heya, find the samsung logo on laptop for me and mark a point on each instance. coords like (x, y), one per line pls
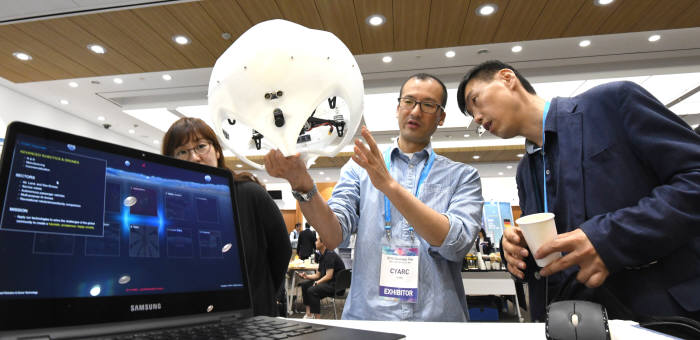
(145, 307)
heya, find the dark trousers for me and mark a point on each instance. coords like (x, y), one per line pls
(312, 295)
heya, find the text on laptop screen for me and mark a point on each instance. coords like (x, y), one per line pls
(112, 226)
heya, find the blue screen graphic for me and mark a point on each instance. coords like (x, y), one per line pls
(79, 222)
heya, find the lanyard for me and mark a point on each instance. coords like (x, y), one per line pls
(544, 159)
(387, 203)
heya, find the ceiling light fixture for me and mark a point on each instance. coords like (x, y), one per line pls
(239, 165)
(101, 118)
(328, 178)
(22, 56)
(321, 173)
(584, 43)
(132, 131)
(603, 2)
(73, 84)
(118, 81)
(486, 9)
(96, 48)
(476, 156)
(181, 39)
(500, 173)
(516, 49)
(265, 180)
(64, 102)
(509, 167)
(375, 20)
(387, 59)
(520, 155)
(155, 141)
(654, 38)
(167, 77)
(450, 54)
(466, 135)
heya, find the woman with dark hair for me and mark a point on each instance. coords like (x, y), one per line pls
(265, 240)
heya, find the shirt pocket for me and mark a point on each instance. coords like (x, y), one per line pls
(436, 196)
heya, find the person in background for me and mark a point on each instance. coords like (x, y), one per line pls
(294, 237)
(306, 245)
(403, 194)
(620, 172)
(322, 283)
(263, 229)
(484, 243)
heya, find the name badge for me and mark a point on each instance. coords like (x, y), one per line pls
(398, 278)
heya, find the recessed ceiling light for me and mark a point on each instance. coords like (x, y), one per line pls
(64, 102)
(181, 39)
(265, 180)
(500, 174)
(450, 54)
(167, 77)
(520, 155)
(118, 80)
(466, 135)
(375, 20)
(239, 165)
(509, 167)
(155, 141)
(476, 156)
(516, 48)
(321, 173)
(73, 84)
(603, 2)
(101, 118)
(22, 56)
(584, 43)
(387, 59)
(486, 9)
(654, 38)
(132, 131)
(97, 48)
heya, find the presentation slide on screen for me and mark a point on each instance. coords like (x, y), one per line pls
(55, 192)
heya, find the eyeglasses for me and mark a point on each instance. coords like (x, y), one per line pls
(202, 148)
(407, 103)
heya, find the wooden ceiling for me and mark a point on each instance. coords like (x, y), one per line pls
(140, 40)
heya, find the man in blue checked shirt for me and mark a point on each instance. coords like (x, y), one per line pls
(415, 213)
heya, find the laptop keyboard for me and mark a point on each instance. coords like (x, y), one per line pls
(259, 327)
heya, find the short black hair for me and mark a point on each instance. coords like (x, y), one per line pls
(486, 71)
(424, 76)
(308, 225)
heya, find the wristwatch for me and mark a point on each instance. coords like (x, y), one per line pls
(305, 196)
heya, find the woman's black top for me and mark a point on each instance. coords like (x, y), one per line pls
(266, 245)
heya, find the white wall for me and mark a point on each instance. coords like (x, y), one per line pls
(18, 107)
(287, 202)
(501, 189)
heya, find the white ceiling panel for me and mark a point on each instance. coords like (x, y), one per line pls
(669, 87)
(690, 105)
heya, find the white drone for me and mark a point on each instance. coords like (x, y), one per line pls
(282, 85)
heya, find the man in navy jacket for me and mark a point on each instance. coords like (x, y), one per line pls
(622, 176)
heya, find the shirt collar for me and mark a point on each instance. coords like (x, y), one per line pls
(549, 126)
(422, 153)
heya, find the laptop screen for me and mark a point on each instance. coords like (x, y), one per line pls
(84, 220)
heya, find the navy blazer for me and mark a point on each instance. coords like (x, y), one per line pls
(629, 177)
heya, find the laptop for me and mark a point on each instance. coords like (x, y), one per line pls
(102, 241)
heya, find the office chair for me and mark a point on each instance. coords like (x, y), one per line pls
(342, 284)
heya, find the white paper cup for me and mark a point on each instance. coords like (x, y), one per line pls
(539, 229)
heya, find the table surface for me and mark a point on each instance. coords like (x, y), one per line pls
(619, 329)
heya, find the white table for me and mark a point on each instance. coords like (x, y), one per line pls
(619, 329)
(490, 283)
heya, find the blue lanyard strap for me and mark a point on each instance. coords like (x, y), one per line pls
(423, 175)
(544, 159)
